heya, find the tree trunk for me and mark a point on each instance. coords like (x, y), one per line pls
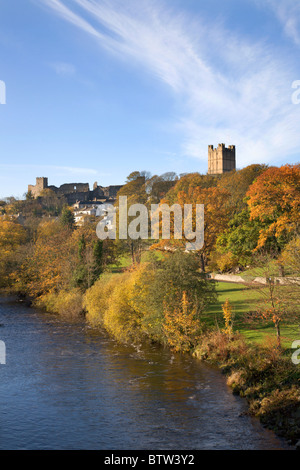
(278, 335)
(202, 262)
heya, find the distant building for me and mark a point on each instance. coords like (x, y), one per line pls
(41, 184)
(82, 210)
(75, 192)
(221, 159)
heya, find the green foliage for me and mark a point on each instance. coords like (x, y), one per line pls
(67, 218)
(240, 239)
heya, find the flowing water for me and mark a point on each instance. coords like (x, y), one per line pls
(64, 386)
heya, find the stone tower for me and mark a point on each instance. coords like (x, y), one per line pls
(221, 159)
(41, 184)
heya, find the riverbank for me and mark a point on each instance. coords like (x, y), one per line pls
(264, 376)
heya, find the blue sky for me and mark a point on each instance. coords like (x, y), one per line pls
(96, 89)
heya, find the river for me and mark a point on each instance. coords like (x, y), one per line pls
(65, 386)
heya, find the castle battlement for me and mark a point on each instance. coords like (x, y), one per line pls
(221, 159)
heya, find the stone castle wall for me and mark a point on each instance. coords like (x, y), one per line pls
(74, 192)
(221, 159)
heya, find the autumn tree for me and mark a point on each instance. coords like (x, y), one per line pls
(216, 215)
(46, 267)
(239, 240)
(237, 183)
(51, 202)
(188, 183)
(158, 186)
(290, 261)
(274, 200)
(164, 282)
(181, 326)
(12, 237)
(276, 303)
(135, 192)
(228, 318)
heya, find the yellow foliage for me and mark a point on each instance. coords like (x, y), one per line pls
(120, 319)
(118, 303)
(226, 261)
(68, 303)
(181, 327)
(228, 317)
(11, 235)
(96, 299)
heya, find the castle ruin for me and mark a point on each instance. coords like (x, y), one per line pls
(75, 192)
(221, 159)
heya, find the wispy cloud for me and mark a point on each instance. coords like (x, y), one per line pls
(288, 13)
(65, 169)
(71, 17)
(63, 68)
(228, 88)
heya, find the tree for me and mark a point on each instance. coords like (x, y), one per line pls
(67, 218)
(189, 182)
(274, 299)
(51, 202)
(228, 318)
(158, 186)
(12, 237)
(216, 215)
(135, 191)
(181, 326)
(274, 200)
(47, 264)
(290, 260)
(237, 184)
(164, 282)
(240, 238)
(90, 263)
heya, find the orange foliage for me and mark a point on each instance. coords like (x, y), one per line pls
(216, 214)
(274, 198)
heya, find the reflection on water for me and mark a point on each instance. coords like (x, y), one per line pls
(64, 386)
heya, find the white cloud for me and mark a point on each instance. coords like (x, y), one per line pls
(230, 89)
(64, 169)
(63, 68)
(71, 17)
(288, 13)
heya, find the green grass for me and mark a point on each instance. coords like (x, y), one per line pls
(125, 261)
(244, 299)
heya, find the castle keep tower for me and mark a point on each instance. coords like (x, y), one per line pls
(221, 159)
(41, 184)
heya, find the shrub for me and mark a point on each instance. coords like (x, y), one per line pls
(120, 318)
(67, 303)
(96, 299)
(181, 326)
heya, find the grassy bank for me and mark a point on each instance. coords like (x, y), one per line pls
(243, 299)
